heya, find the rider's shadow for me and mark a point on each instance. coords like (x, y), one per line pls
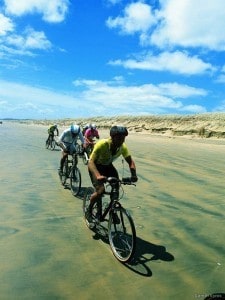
(145, 252)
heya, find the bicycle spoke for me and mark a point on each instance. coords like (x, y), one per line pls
(122, 236)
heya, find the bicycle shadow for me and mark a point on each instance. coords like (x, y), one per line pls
(82, 193)
(145, 252)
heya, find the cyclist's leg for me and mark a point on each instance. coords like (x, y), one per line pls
(48, 140)
(99, 188)
(51, 137)
(112, 172)
(63, 159)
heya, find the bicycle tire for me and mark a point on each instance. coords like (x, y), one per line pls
(86, 203)
(64, 174)
(122, 236)
(85, 158)
(75, 181)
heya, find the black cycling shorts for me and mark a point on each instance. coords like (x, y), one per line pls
(107, 171)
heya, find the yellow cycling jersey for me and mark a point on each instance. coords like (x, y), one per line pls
(102, 155)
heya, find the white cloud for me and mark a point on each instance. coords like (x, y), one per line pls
(191, 23)
(193, 109)
(30, 39)
(92, 97)
(146, 97)
(6, 25)
(137, 17)
(175, 62)
(176, 90)
(52, 11)
(21, 100)
(186, 23)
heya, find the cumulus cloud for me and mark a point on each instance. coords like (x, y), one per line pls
(175, 62)
(191, 23)
(147, 97)
(26, 101)
(25, 41)
(187, 23)
(137, 17)
(52, 11)
(93, 97)
(6, 25)
(30, 39)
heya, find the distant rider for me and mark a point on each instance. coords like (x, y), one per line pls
(88, 125)
(68, 141)
(51, 132)
(90, 134)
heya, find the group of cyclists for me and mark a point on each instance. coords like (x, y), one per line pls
(102, 155)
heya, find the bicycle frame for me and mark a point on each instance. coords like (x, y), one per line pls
(113, 194)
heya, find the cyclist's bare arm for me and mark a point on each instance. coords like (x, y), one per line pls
(132, 167)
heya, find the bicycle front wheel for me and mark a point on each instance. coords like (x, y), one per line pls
(64, 174)
(122, 234)
(85, 158)
(75, 181)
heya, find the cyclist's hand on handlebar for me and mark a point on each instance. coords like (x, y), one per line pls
(101, 178)
(134, 179)
(133, 175)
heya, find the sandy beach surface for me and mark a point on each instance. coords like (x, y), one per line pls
(178, 207)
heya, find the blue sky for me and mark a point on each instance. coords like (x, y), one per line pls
(85, 58)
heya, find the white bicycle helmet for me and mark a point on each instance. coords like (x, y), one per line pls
(75, 129)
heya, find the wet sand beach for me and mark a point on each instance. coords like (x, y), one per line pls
(178, 207)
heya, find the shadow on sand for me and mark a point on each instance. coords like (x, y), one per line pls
(145, 252)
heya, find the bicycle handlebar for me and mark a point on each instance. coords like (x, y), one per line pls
(125, 181)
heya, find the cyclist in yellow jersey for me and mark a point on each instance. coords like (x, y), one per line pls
(104, 153)
(51, 131)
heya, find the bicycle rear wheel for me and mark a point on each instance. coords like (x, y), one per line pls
(122, 236)
(75, 181)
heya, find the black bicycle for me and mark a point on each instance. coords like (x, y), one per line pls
(72, 172)
(50, 143)
(121, 229)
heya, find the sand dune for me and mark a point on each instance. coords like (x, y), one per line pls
(200, 125)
